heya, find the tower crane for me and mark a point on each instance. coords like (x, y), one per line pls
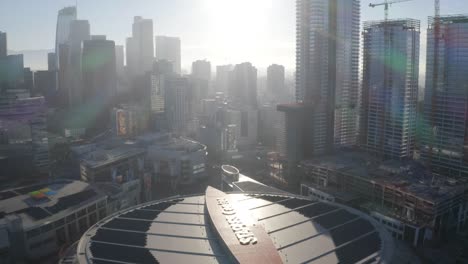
(386, 4)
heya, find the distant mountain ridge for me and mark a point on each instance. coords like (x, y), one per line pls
(34, 59)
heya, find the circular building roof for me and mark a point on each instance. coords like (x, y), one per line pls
(236, 228)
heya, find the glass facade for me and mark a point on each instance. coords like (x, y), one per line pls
(444, 125)
(327, 65)
(390, 87)
(65, 17)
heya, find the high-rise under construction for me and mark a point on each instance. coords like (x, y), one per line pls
(390, 87)
(444, 141)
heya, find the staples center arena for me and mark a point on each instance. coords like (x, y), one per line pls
(219, 227)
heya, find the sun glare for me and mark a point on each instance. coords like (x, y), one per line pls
(237, 26)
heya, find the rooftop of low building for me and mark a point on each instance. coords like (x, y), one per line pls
(407, 176)
(40, 202)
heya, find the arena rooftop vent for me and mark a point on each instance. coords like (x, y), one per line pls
(223, 227)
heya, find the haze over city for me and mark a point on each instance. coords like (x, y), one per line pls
(233, 131)
(223, 31)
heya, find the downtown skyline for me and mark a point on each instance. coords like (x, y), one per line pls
(320, 131)
(271, 40)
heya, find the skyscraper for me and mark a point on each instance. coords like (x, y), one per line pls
(12, 75)
(3, 44)
(201, 69)
(119, 59)
(327, 65)
(139, 47)
(163, 67)
(45, 83)
(28, 80)
(11, 71)
(62, 75)
(52, 61)
(390, 87)
(79, 32)
(142, 33)
(223, 75)
(99, 70)
(179, 103)
(64, 19)
(99, 80)
(168, 48)
(243, 86)
(131, 54)
(158, 81)
(445, 124)
(201, 76)
(275, 82)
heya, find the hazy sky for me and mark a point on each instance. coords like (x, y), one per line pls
(222, 31)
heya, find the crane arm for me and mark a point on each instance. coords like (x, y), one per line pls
(388, 3)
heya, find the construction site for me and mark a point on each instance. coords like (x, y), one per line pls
(413, 203)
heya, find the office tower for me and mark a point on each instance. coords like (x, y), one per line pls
(445, 124)
(3, 44)
(62, 34)
(276, 88)
(201, 69)
(63, 98)
(52, 61)
(11, 71)
(178, 103)
(157, 86)
(246, 125)
(201, 77)
(290, 140)
(163, 67)
(99, 80)
(149, 90)
(119, 59)
(168, 48)
(223, 77)
(131, 55)
(243, 85)
(390, 87)
(140, 48)
(327, 65)
(143, 33)
(79, 32)
(45, 84)
(268, 121)
(99, 70)
(28, 80)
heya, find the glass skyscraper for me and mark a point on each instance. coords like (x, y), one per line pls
(327, 69)
(445, 123)
(64, 19)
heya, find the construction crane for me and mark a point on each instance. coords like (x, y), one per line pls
(386, 4)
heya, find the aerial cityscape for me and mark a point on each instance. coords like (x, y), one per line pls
(194, 133)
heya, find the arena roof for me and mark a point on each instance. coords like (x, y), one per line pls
(236, 228)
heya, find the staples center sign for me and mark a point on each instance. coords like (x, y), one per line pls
(242, 232)
(243, 236)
